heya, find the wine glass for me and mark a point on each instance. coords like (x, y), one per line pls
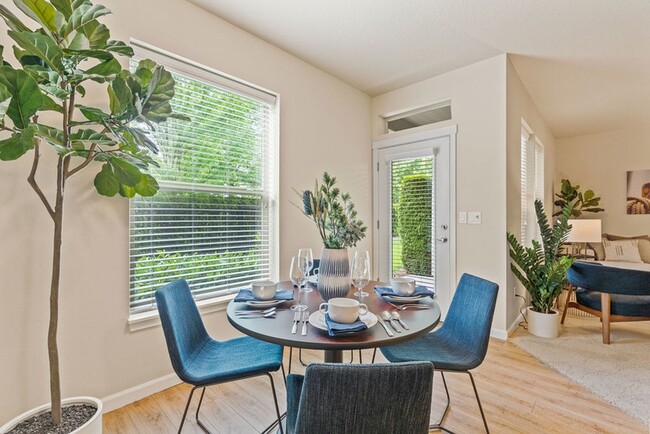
(307, 258)
(361, 272)
(298, 277)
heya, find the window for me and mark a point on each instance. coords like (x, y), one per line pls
(532, 183)
(213, 221)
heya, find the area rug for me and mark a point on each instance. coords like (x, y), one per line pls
(619, 372)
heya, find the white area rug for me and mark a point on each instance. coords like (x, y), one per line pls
(619, 372)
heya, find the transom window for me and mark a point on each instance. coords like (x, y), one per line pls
(213, 221)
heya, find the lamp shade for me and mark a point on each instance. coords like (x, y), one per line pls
(585, 231)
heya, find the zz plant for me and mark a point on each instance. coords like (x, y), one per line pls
(40, 94)
(541, 268)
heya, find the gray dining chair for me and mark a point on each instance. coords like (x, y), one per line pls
(359, 399)
(461, 343)
(202, 361)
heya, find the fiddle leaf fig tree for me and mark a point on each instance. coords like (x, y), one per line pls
(57, 52)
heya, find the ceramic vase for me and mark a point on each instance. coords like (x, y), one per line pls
(92, 426)
(544, 325)
(334, 273)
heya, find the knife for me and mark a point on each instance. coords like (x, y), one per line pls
(296, 319)
(305, 317)
(388, 332)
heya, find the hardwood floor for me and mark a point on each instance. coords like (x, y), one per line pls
(519, 395)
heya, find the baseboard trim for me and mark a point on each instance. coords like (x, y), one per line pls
(515, 323)
(132, 394)
(499, 334)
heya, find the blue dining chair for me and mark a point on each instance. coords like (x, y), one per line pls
(202, 361)
(461, 343)
(358, 399)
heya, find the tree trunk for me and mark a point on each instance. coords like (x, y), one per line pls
(52, 347)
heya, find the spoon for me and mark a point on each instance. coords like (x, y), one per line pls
(266, 315)
(386, 317)
(396, 316)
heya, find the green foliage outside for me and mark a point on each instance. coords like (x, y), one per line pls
(541, 268)
(415, 223)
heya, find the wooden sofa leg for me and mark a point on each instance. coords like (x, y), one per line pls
(605, 308)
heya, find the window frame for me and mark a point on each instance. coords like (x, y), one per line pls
(144, 318)
(531, 179)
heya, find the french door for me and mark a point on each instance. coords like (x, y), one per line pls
(414, 210)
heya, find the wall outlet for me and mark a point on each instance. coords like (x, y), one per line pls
(462, 217)
(474, 217)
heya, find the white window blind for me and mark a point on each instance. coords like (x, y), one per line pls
(213, 221)
(532, 183)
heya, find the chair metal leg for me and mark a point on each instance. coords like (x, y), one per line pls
(300, 357)
(187, 406)
(478, 400)
(284, 375)
(198, 421)
(290, 358)
(374, 353)
(277, 408)
(438, 425)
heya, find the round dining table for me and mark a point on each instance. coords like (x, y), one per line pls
(277, 329)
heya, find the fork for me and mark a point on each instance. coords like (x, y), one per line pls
(296, 320)
(406, 306)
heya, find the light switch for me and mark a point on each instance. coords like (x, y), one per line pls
(462, 217)
(474, 217)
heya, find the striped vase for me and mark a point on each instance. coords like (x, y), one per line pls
(333, 273)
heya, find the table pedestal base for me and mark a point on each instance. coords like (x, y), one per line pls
(333, 356)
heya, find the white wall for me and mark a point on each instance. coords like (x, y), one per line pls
(600, 162)
(478, 97)
(521, 106)
(325, 125)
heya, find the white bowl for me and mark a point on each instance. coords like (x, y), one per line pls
(264, 289)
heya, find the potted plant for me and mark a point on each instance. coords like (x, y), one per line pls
(579, 202)
(542, 270)
(337, 223)
(40, 110)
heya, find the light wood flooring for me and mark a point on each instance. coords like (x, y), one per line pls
(519, 395)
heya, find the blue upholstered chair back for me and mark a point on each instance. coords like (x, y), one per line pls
(469, 319)
(358, 399)
(600, 278)
(182, 324)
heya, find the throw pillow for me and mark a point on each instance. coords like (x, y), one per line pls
(622, 251)
(613, 237)
(644, 250)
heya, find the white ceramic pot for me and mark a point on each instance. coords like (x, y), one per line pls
(333, 273)
(544, 325)
(93, 426)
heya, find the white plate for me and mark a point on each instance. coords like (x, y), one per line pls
(313, 279)
(264, 303)
(317, 319)
(404, 299)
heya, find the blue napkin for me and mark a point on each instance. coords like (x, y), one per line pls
(337, 329)
(419, 291)
(247, 295)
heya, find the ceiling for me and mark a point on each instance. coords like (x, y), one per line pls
(585, 63)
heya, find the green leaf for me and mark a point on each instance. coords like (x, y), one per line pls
(120, 96)
(12, 20)
(83, 15)
(43, 74)
(5, 98)
(96, 33)
(50, 104)
(92, 113)
(160, 89)
(55, 91)
(106, 181)
(147, 186)
(119, 47)
(79, 42)
(17, 145)
(53, 136)
(127, 191)
(26, 95)
(126, 172)
(105, 69)
(63, 6)
(90, 136)
(42, 12)
(41, 46)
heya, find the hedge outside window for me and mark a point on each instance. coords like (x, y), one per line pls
(213, 221)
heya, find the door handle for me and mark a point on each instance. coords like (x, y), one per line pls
(442, 240)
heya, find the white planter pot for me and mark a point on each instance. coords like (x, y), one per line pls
(333, 273)
(544, 325)
(93, 426)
